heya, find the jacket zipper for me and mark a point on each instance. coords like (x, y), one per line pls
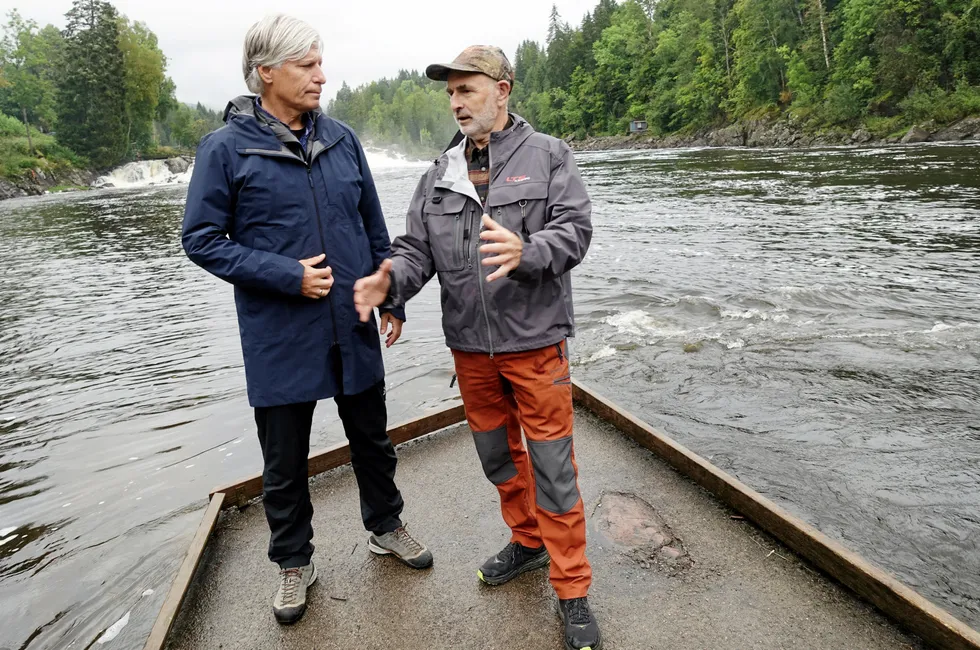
(323, 242)
(467, 225)
(479, 267)
(457, 227)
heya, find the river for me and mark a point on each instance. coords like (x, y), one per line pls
(807, 320)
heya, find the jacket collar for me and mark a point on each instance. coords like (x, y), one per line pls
(503, 144)
(258, 134)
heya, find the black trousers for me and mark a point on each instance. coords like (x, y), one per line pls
(284, 434)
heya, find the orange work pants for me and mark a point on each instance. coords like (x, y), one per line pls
(538, 485)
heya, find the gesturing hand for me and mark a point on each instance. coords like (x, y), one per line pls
(372, 291)
(316, 282)
(396, 328)
(506, 245)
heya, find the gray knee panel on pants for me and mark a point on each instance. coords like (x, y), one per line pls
(494, 454)
(556, 489)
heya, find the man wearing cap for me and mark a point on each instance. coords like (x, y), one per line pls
(507, 311)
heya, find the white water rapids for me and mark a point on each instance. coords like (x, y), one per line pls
(176, 170)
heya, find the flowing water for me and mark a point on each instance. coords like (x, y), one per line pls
(808, 320)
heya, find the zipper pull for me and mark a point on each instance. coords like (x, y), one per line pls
(452, 382)
(309, 175)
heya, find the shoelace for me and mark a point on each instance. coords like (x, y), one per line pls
(408, 540)
(578, 612)
(510, 553)
(291, 579)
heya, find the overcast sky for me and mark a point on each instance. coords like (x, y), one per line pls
(363, 39)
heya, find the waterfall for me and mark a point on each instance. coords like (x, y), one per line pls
(383, 159)
(178, 170)
(148, 172)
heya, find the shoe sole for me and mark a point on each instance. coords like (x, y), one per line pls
(537, 563)
(290, 621)
(568, 646)
(596, 646)
(380, 550)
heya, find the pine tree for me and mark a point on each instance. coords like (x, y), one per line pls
(92, 90)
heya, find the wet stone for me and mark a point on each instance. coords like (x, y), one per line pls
(633, 527)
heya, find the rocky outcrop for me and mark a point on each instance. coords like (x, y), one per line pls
(862, 136)
(37, 181)
(781, 133)
(968, 129)
(916, 135)
(730, 136)
(178, 165)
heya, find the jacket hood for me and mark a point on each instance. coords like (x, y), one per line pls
(240, 113)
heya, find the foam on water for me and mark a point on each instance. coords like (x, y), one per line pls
(754, 314)
(382, 160)
(602, 353)
(945, 327)
(113, 631)
(639, 323)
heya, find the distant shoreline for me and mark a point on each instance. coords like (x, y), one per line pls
(781, 133)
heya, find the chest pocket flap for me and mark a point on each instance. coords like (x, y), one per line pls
(449, 203)
(520, 208)
(516, 192)
(446, 229)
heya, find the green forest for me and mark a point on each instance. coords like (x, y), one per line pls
(684, 65)
(410, 112)
(95, 94)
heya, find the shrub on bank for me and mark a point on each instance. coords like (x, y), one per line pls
(16, 159)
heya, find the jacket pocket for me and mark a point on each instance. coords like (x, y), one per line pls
(521, 208)
(446, 228)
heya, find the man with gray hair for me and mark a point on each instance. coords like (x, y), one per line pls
(503, 217)
(283, 206)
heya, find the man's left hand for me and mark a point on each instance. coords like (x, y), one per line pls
(506, 247)
(396, 328)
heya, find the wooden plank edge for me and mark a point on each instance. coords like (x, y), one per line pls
(185, 574)
(905, 606)
(243, 491)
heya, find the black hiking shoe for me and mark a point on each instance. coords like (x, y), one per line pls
(509, 563)
(581, 628)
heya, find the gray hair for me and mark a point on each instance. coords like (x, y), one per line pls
(271, 42)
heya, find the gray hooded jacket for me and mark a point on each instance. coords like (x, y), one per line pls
(536, 192)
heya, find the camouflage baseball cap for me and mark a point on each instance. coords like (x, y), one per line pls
(486, 59)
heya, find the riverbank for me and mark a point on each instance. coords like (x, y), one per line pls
(784, 133)
(36, 163)
(38, 180)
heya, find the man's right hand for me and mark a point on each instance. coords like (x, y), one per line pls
(372, 291)
(316, 282)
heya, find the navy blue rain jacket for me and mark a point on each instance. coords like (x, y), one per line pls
(257, 204)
